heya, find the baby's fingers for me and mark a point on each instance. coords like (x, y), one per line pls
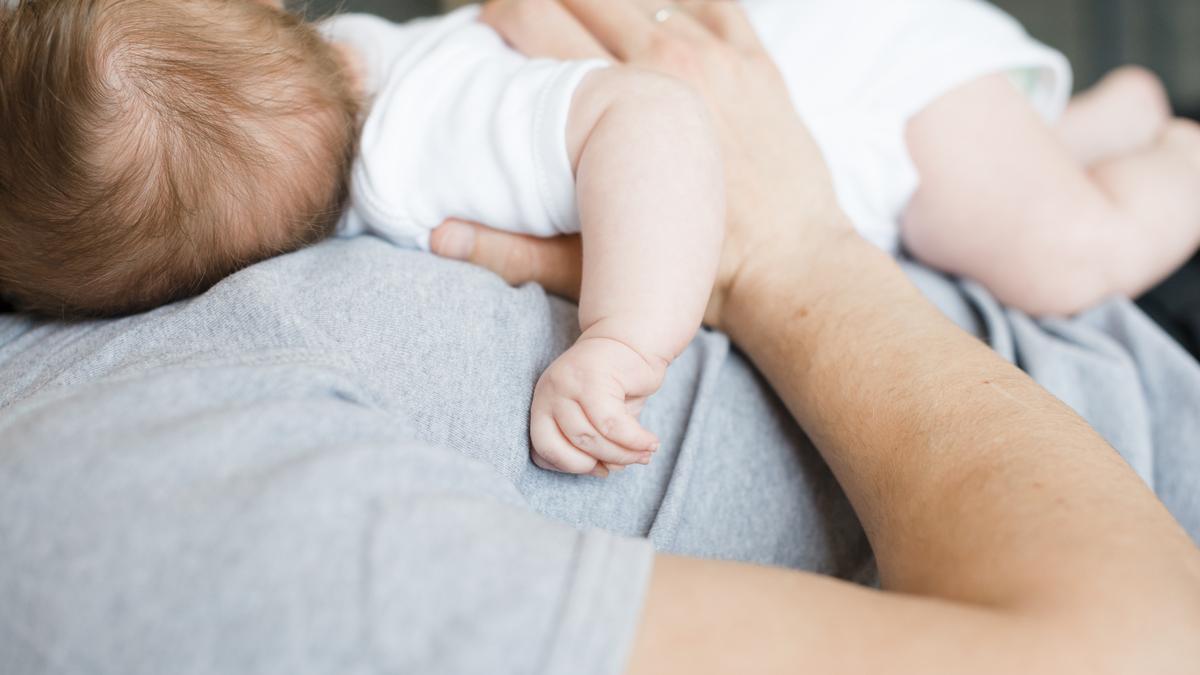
(580, 432)
(553, 448)
(612, 418)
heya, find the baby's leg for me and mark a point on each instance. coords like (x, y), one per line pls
(1124, 113)
(1004, 201)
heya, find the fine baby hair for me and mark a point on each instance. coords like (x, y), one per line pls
(152, 147)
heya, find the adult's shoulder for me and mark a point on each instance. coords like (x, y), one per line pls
(236, 480)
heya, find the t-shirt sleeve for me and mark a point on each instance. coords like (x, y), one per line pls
(463, 126)
(268, 519)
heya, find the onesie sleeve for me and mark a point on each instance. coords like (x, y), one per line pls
(463, 126)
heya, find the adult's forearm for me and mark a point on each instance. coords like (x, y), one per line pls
(1018, 540)
(973, 482)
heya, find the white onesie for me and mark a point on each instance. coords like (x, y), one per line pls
(460, 125)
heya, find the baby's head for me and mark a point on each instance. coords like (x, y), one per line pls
(149, 148)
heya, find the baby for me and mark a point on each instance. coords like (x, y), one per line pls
(152, 147)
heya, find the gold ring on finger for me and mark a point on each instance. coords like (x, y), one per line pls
(662, 15)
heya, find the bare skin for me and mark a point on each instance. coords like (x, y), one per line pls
(1009, 536)
(1053, 221)
(1123, 113)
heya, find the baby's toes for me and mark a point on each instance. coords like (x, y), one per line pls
(1183, 135)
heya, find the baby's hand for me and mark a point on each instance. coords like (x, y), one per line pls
(585, 408)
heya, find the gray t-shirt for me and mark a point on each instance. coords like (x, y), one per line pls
(233, 484)
(321, 466)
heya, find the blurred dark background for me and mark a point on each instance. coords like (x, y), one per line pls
(1098, 35)
(396, 10)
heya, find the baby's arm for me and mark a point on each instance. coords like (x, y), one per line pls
(651, 199)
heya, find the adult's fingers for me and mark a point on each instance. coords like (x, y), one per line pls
(674, 18)
(542, 28)
(623, 27)
(556, 264)
(728, 21)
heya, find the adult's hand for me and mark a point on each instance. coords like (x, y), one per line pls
(773, 168)
(1015, 539)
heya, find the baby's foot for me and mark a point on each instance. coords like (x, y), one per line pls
(1183, 136)
(1124, 112)
(585, 407)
